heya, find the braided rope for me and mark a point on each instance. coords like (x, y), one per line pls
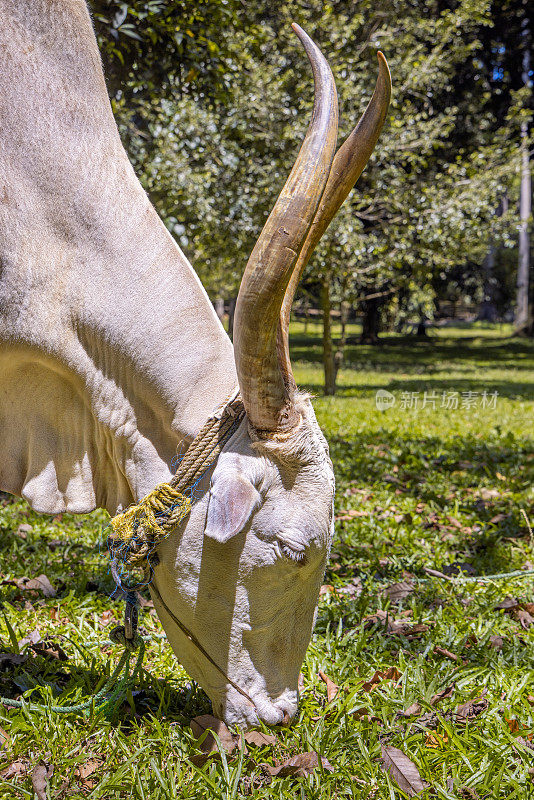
(135, 533)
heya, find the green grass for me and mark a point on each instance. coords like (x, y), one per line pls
(433, 488)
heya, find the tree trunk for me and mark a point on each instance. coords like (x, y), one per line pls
(487, 311)
(328, 350)
(344, 311)
(219, 307)
(522, 316)
(231, 313)
(371, 321)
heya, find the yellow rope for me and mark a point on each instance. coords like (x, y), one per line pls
(136, 532)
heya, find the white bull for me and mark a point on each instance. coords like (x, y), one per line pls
(111, 356)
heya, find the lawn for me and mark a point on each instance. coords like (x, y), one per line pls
(438, 666)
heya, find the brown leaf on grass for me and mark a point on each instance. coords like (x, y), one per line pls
(399, 591)
(390, 674)
(440, 651)
(50, 649)
(513, 724)
(32, 638)
(40, 584)
(524, 618)
(259, 739)
(468, 711)
(23, 530)
(332, 689)
(412, 711)
(443, 695)
(17, 769)
(360, 713)
(402, 770)
(208, 723)
(85, 773)
(326, 588)
(41, 774)
(107, 617)
(506, 604)
(299, 766)
(352, 589)
(434, 739)
(497, 642)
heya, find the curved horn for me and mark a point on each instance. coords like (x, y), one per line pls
(264, 372)
(347, 166)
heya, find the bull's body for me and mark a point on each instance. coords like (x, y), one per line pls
(111, 355)
(110, 352)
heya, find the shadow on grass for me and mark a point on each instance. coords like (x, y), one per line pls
(61, 679)
(482, 482)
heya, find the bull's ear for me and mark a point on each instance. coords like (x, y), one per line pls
(232, 500)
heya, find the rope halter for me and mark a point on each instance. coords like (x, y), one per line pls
(135, 533)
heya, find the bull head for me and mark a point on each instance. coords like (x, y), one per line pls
(267, 520)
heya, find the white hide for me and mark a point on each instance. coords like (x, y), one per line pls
(110, 351)
(111, 355)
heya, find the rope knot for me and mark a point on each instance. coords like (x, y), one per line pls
(138, 530)
(118, 636)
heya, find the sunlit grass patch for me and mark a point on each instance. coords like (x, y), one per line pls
(419, 488)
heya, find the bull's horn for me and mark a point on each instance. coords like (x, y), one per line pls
(347, 166)
(264, 371)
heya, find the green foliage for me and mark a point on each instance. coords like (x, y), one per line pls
(425, 204)
(428, 488)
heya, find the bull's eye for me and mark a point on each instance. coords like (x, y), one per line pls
(298, 556)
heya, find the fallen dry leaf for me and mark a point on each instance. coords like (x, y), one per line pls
(507, 603)
(299, 766)
(443, 695)
(524, 618)
(471, 709)
(50, 649)
(399, 591)
(402, 770)
(259, 739)
(15, 770)
(497, 642)
(434, 739)
(412, 711)
(360, 713)
(34, 637)
(85, 773)
(390, 674)
(39, 584)
(41, 774)
(208, 723)
(23, 530)
(512, 723)
(332, 690)
(107, 617)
